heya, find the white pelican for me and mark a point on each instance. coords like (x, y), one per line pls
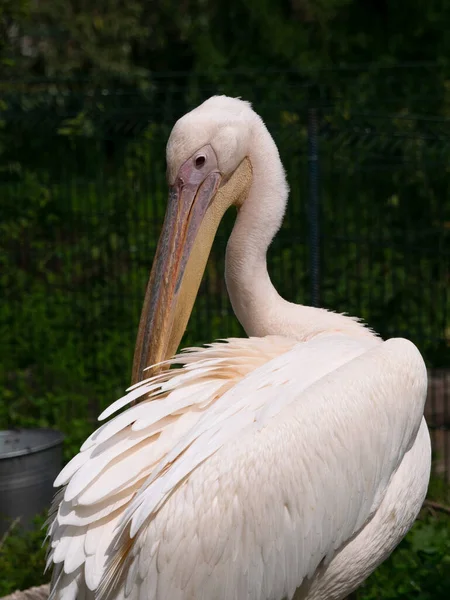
(289, 464)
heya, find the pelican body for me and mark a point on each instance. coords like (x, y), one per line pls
(288, 464)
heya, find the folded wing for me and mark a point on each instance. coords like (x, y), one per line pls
(239, 481)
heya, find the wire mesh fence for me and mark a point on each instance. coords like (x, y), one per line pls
(367, 229)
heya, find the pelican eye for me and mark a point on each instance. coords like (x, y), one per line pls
(200, 161)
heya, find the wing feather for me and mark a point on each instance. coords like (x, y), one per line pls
(389, 379)
(242, 472)
(100, 481)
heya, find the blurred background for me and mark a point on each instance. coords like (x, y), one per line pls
(357, 96)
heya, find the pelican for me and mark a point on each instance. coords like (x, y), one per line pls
(288, 464)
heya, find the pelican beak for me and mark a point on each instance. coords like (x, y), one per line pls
(198, 199)
(189, 198)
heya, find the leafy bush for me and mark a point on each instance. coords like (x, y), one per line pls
(22, 558)
(418, 569)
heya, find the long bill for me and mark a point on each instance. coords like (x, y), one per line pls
(193, 215)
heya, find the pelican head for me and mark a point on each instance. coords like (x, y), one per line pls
(208, 170)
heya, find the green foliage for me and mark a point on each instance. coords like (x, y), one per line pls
(12, 14)
(22, 558)
(122, 41)
(418, 569)
(68, 38)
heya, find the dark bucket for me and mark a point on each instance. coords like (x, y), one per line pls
(30, 460)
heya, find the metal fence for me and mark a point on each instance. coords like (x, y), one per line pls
(367, 232)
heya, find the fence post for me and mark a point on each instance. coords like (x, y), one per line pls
(313, 206)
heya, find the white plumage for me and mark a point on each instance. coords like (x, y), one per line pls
(286, 464)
